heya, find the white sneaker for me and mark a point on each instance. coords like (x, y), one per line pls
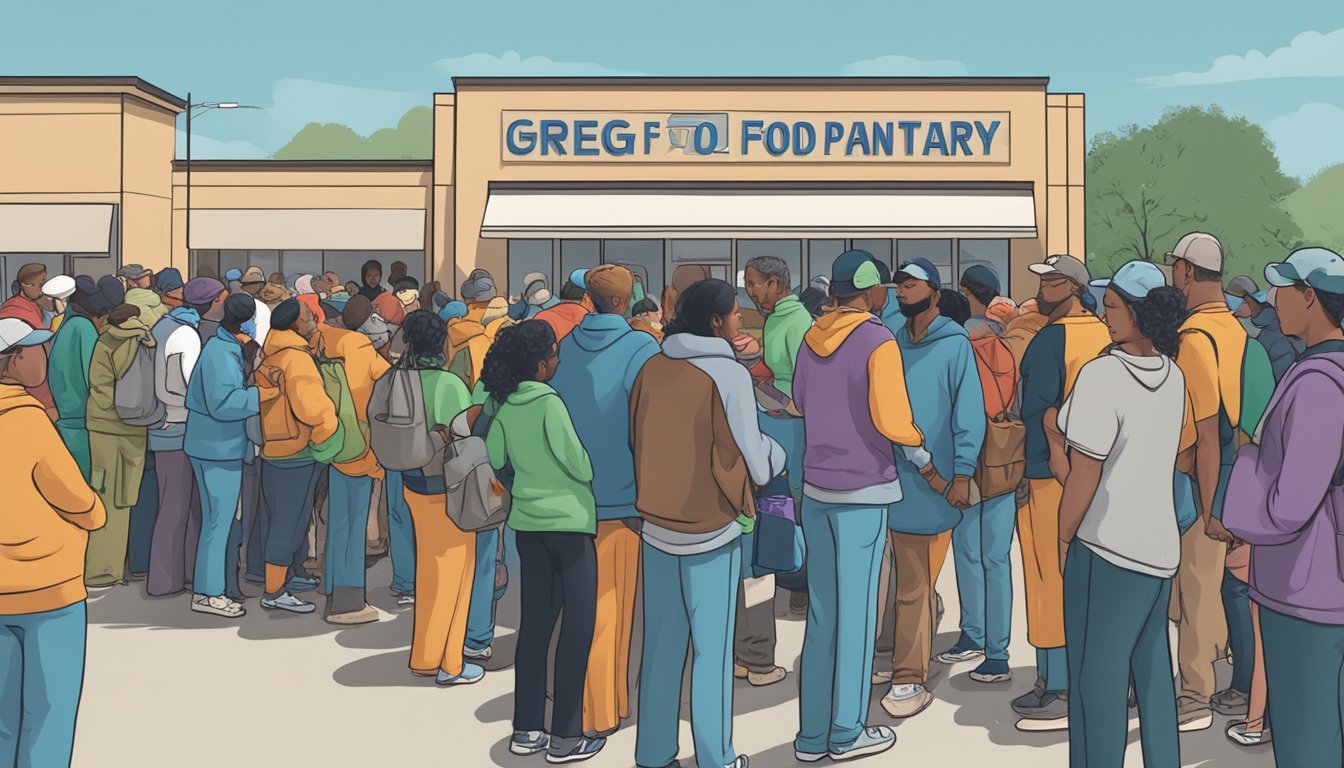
(217, 605)
(406, 600)
(287, 602)
(906, 700)
(483, 654)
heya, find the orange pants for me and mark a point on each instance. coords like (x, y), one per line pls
(606, 690)
(1038, 535)
(445, 558)
(937, 556)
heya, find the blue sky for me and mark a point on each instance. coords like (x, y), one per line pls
(364, 63)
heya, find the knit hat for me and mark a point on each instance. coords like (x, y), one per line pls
(202, 290)
(110, 293)
(167, 281)
(497, 308)
(252, 275)
(285, 314)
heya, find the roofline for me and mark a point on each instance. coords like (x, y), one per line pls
(76, 80)
(625, 81)
(303, 165)
(764, 185)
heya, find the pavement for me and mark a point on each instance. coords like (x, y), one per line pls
(168, 687)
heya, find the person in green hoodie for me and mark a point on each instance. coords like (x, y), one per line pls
(116, 449)
(68, 364)
(554, 515)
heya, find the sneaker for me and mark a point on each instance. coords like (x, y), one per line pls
(873, 741)
(287, 602)
(809, 757)
(798, 603)
(762, 679)
(528, 742)
(740, 672)
(1192, 715)
(1031, 699)
(483, 654)
(881, 677)
(300, 584)
(366, 615)
(1051, 714)
(406, 600)
(1230, 702)
(906, 700)
(471, 673)
(217, 605)
(964, 650)
(740, 762)
(574, 750)
(992, 671)
(1239, 734)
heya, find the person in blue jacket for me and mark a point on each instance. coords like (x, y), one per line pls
(600, 360)
(949, 409)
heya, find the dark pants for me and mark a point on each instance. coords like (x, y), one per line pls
(754, 635)
(172, 559)
(232, 551)
(1112, 614)
(558, 571)
(143, 516)
(1304, 672)
(254, 541)
(1240, 634)
(287, 509)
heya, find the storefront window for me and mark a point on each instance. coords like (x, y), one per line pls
(881, 249)
(295, 264)
(526, 257)
(577, 254)
(989, 253)
(702, 251)
(938, 253)
(821, 255)
(348, 264)
(643, 257)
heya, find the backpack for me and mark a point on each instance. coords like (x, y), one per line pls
(1003, 459)
(134, 397)
(337, 387)
(1257, 387)
(476, 499)
(398, 431)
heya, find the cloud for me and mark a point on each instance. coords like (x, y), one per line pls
(511, 63)
(903, 66)
(1308, 140)
(206, 148)
(1310, 54)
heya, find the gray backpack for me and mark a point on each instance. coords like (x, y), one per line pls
(133, 395)
(477, 500)
(398, 431)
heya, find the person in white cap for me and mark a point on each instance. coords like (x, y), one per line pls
(57, 290)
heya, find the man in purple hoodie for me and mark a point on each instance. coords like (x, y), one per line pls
(1286, 499)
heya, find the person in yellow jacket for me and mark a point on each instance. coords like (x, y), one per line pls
(48, 511)
(302, 433)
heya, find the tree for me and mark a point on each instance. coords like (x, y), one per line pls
(412, 139)
(1195, 169)
(1318, 208)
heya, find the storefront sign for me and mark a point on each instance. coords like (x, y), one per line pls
(718, 137)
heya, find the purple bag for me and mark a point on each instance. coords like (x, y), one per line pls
(778, 539)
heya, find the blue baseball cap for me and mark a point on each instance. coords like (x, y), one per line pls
(452, 310)
(1135, 280)
(16, 333)
(233, 275)
(577, 277)
(919, 269)
(1318, 268)
(854, 272)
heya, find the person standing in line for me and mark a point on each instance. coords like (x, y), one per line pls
(555, 518)
(218, 404)
(140, 293)
(1260, 320)
(1213, 345)
(603, 356)
(1070, 339)
(177, 347)
(694, 400)
(48, 511)
(1118, 535)
(302, 434)
(646, 316)
(71, 353)
(574, 304)
(849, 387)
(25, 305)
(944, 389)
(116, 449)
(1285, 498)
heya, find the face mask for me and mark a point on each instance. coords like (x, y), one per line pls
(377, 331)
(249, 328)
(918, 308)
(1046, 307)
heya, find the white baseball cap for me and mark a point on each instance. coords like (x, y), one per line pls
(59, 287)
(16, 333)
(1200, 249)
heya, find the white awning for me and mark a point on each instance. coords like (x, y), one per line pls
(316, 229)
(55, 227)
(675, 213)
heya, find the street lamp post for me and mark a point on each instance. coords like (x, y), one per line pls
(204, 106)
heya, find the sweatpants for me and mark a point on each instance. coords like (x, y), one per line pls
(1304, 670)
(444, 565)
(343, 556)
(172, 561)
(219, 483)
(1038, 536)
(144, 516)
(689, 603)
(981, 547)
(287, 490)
(1112, 614)
(1197, 608)
(118, 462)
(42, 675)
(558, 571)
(606, 689)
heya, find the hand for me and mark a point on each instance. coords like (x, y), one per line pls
(959, 493)
(1215, 530)
(935, 480)
(1063, 553)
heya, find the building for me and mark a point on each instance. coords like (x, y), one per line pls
(554, 174)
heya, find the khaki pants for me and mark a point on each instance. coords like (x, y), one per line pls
(606, 691)
(914, 610)
(1197, 608)
(1038, 535)
(886, 590)
(117, 464)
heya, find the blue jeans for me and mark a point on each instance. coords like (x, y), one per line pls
(347, 520)
(690, 600)
(788, 432)
(1111, 615)
(400, 534)
(1240, 634)
(218, 483)
(981, 543)
(143, 516)
(481, 616)
(41, 674)
(844, 551)
(1304, 674)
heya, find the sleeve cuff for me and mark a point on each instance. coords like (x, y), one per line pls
(962, 469)
(1099, 456)
(917, 455)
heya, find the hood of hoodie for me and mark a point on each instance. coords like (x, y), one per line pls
(143, 298)
(13, 396)
(786, 306)
(278, 340)
(464, 329)
(1151, 372)
(530, 391)
(832, 328)
(133, 328)
(941, 328)
(597, 332)
(684, 346)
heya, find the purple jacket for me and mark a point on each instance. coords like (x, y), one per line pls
(1281, 498)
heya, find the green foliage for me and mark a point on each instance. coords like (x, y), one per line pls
(1318, 208)
(412, 139)
(1195, 169)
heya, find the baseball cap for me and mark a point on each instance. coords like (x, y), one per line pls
(233, 275)
(1134, 280)
(252, 275)
(1319, 268)
(1200, 249)
(979, 274)
(579, 277)
(919, 269)
(133, 272)
(1063, 265)
(59, 287)
(109, 294)
(16, 333)
(854, 272)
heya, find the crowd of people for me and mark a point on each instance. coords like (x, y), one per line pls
(1167, 447)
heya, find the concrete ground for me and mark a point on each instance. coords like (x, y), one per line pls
(168, 687)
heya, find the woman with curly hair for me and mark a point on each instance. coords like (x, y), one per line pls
(1122, 428)
(554, 516)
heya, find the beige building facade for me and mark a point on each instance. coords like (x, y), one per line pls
(554, 174)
